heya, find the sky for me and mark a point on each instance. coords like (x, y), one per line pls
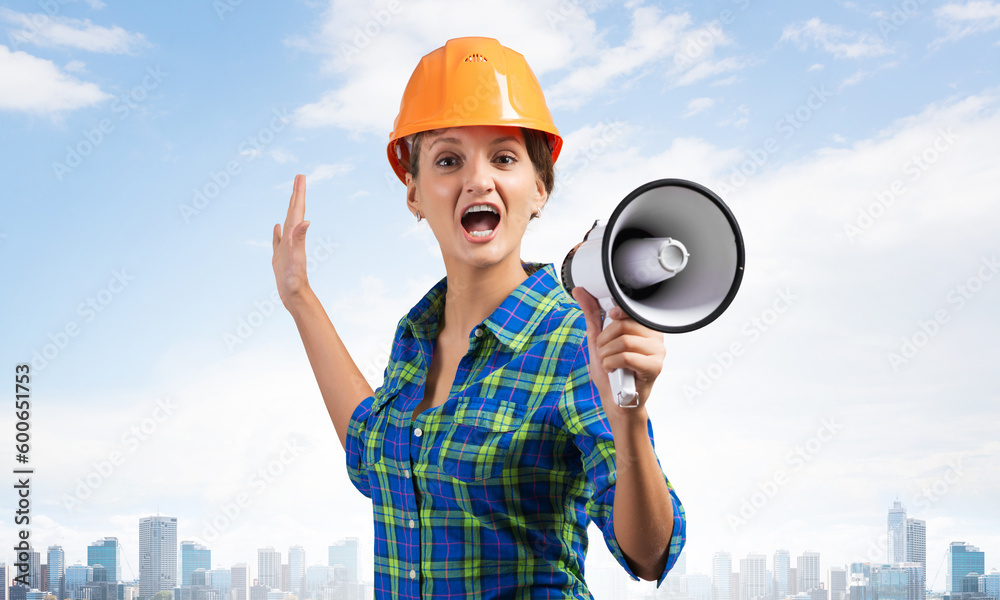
(149, 148)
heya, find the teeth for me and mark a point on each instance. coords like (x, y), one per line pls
(480, 233)
(480, 208)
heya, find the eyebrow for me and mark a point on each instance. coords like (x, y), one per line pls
(454, 140)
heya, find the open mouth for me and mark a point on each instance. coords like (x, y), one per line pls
(480, 220)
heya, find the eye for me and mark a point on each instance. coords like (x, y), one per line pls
(506, 158)
(446, 161)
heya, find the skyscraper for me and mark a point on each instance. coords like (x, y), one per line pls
(35, 579)
(239, 579)
(836, 582)
(269, 567)
(193, 556)
(297, 571)
(807, 571)
(962, 559)
(722, 576)
(780, 587)
(916, 542)
(106, 552)
(157, 555)
(753, 577)
(345, 553)
(896, 546)
(6, 577)
(57, 572)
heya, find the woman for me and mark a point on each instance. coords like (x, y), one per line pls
(492, 441)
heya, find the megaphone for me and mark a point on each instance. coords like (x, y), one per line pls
(671, 257)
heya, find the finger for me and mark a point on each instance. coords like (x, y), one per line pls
(645, 368)
(296, 204)
(276, 237)
(632, 343)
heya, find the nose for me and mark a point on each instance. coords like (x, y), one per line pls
(480, 180)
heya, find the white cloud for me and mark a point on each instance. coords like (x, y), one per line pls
(698, 105)
(34, 85)
(835, 39)
(960, 20)
(321, 172)
(56, 31)
(558, 39)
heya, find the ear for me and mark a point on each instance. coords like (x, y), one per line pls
(541, 196)
(411, 194)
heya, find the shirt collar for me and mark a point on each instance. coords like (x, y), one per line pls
(513, 322)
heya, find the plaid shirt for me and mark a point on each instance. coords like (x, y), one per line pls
(489, 495)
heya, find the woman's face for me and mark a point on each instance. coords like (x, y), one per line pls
(477, 189)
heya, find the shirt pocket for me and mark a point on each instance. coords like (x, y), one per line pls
(378, 422)
(475, 445)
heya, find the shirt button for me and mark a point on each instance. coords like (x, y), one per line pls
(406, 473)
(418, 432)
(412, 523)
(413, 574)
(478, 331)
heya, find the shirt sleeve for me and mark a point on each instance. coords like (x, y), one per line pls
(357, 430)
(583, 416)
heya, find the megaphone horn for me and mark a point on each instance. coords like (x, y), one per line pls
(671, 256)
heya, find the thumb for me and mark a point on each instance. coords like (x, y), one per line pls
(300, 232)
(591, 309)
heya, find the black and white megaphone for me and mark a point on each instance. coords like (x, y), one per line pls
(671, 257)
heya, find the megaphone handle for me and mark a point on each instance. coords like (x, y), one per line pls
(622, 380)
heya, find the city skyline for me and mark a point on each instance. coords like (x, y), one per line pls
(904, 545)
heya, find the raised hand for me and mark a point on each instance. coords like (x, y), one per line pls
(289, 259)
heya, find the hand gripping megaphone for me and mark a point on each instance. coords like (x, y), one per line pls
(671, 257)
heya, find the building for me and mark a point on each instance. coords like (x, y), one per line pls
(807, 572)
(722, 576)
(318, 578)
(238, 574)
(963, 559)
(157, 555)
(106, 552)
(859, 581)
(7, 575)
(57, 572)
(345, 553)
(268, 568)
(193, 556)
(989, 585)
(35, 579)
(907, 541)
(896, 546)
(297, 571)
(780, 585)
(836, 583)
(916, 543)
(76, 577)
(899, 581)
(221, 580)
(753, 577)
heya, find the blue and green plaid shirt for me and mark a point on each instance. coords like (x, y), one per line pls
(489, 495)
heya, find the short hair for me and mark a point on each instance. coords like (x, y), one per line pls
(535, 142)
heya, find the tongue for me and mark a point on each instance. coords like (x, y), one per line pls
(480, 221)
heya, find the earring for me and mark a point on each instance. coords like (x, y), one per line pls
(536, 214)
(420, 217)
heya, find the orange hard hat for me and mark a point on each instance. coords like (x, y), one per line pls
(469, 81)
